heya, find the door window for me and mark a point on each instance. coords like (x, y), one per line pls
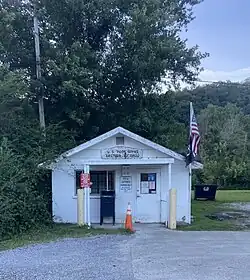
(148, 183)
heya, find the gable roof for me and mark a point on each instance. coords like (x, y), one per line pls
(125, 132)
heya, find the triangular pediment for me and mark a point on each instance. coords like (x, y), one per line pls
(105, 147)
(133, 145)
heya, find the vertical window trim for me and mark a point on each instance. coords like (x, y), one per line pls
(107, 180)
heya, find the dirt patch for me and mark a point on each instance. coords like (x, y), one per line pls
(221, 216)
(242, 206)
(238, 213)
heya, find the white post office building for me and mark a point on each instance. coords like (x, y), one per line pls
(139, 171)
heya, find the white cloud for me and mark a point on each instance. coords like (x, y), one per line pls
(233, 76)
(209, 76)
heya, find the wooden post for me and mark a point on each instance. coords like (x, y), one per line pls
(80, 202)
(38, 70)
(172, 209)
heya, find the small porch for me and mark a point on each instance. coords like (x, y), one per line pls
(140, 183)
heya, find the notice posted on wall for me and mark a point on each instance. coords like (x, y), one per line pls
(151, 186)
(144, 187)
(126, 184)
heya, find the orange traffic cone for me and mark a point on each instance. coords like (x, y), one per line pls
(128, 221)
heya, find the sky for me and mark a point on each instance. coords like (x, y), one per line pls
(221, 28)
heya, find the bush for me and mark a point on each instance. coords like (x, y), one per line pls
(21, 205)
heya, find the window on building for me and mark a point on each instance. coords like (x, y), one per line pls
(148, 183)
(119, 140)
(101, 180)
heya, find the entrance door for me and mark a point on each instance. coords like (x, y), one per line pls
(148, 197)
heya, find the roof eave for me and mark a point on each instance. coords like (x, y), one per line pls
(197, 165)
(111, 133)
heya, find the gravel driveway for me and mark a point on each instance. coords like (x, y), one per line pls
(153, 253)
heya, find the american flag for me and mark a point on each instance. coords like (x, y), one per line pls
(194, 137)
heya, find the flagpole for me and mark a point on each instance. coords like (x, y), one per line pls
(190, 166)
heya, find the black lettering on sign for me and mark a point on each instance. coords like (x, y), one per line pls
(121, 153)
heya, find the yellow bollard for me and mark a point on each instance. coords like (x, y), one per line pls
(172, 209)
(80, 207)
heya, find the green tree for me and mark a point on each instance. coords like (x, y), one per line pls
(219, 94)
(24, 202)
(102, 61)
(225, 148)
(100, 57)
(156, 119)
(21, 205)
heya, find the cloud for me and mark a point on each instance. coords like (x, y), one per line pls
(209, 76)
(233, 76)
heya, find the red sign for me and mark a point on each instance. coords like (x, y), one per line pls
(85, 180)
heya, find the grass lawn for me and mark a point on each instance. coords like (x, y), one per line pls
(57, 231)
(202, 208)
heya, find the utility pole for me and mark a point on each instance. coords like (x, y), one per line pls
(38, 70)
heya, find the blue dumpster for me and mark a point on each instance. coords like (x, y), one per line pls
(205, 191)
